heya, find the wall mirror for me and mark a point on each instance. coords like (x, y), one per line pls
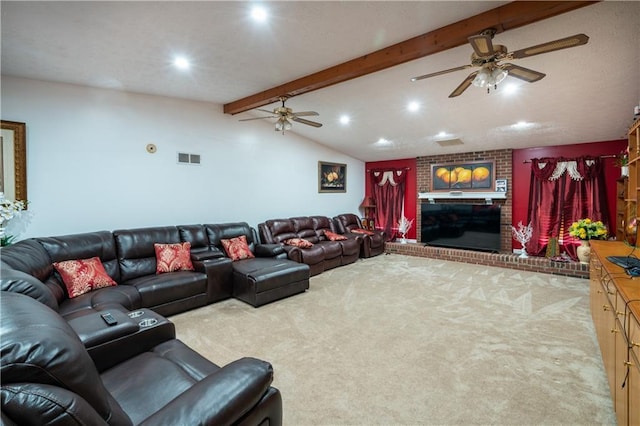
(13, 160)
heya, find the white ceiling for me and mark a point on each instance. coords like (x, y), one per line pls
(588, 94)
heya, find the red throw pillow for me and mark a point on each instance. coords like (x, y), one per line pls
(82, 276)
(362, 231)
(332, 236)
(298, 242)
(173, 257)
(237, 248)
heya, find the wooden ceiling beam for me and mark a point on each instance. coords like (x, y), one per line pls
(503, 18)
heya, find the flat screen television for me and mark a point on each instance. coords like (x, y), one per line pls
(465, 226)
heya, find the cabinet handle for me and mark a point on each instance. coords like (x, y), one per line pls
(615, 330)
(618, 313)
(599, 291)
(635, 343)
(629, 364)
(605, 307)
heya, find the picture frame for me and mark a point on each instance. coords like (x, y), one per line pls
(501, 185)
(463, 176)
(332, 177)
(13, 160)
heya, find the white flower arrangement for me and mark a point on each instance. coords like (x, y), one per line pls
(404, 225)
(522, 235)
(8, 210)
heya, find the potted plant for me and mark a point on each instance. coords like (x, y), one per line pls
(585, 230)
(622, 161)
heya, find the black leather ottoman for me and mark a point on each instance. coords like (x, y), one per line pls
(259, 281)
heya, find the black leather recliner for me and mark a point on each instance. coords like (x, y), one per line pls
(48, 377)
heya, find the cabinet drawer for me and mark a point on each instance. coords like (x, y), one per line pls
(634, 336)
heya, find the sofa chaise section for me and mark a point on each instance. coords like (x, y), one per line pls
(265, 277)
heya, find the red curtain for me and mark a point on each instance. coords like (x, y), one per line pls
(563, 191)
(388, 193)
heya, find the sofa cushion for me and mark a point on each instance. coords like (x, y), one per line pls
(166, 288)
(298, 242)
(84, 246)
(83, 275)
(173, 257)
(237, 248)
(135, 250)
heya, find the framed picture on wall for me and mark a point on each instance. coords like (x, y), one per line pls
(332, 177)
(467, 176)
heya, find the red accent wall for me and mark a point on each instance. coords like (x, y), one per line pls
(522, 172)
(411, 192)
(520, 179)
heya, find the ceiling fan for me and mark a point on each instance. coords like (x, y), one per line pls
(489, 58)
(284, 114)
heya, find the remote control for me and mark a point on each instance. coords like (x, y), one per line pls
(108, 318)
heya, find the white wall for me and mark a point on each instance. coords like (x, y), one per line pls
(88, 169)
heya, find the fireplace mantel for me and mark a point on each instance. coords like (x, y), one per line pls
(463, 195)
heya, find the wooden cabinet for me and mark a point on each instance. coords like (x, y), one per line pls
(632, 191)
(634, 369)
(615, 309)
(621, 207)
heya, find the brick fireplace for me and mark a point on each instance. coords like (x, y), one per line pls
(503, 170)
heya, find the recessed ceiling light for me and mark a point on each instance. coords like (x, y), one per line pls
(413, 106)
(345, 119)
(258, 13)
(521, 125)
(181, 63)
(509, 89)
(442, 134)
(383, 141)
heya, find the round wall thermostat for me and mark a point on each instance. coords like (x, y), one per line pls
(151, 148)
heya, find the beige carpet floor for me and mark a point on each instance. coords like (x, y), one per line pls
(399, 340)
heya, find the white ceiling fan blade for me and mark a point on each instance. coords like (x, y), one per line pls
(464, 85)
(305, 113)
(434, 74)
(563, 43)
(257, 118)
(482, 45)
(523, 73)
(307, 122)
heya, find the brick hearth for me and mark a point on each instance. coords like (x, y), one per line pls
(512, 261)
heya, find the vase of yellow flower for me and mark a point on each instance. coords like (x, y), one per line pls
(586, 230)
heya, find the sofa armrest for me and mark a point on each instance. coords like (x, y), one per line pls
(269, 250)
(20, 282)
(207, 255)
(220, 398)
(93, 330)
(219, 273)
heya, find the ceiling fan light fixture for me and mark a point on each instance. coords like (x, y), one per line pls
(482, 78)
(497, 75)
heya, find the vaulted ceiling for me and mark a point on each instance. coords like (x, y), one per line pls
(336, 58)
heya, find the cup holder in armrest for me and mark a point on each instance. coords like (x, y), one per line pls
(135, 314)
(148, 322)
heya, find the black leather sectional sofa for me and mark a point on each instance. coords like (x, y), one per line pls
(62, 362)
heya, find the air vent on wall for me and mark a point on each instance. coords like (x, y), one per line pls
(450, 142)
(185, 158)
